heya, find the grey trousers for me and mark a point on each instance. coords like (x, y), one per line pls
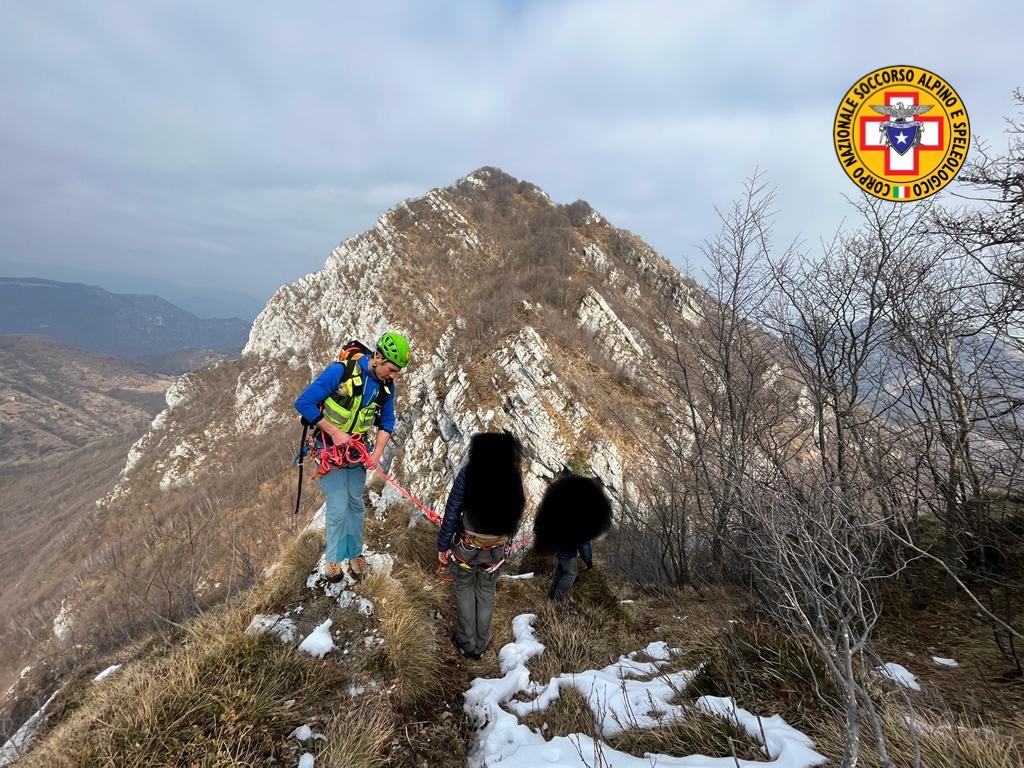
(564, 577)
(474, 606)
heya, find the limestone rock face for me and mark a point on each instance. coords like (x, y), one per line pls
(523, 314)
(610, 333)
(519, 319)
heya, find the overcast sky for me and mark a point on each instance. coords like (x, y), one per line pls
(238, 142)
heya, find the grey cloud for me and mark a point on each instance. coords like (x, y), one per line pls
(240, 142)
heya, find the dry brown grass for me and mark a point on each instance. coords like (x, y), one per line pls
(409, 643)
(417, 547)
(359, 737)
(568, 714)
(594, 630)
(766, 671)
(984, 687)
(939, 742)
(220, 698)
(697, 733)
(286, 582)
(576, 638)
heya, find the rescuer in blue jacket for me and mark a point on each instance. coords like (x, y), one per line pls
(344, 403)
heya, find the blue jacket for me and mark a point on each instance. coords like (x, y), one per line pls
(452, 522)
(324, 385)
(452, 513)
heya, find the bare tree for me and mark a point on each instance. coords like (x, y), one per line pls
(817, 564)
(652, 539)
(721, 375)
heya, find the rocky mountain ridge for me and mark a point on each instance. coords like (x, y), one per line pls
(523, 314)
(529, 379)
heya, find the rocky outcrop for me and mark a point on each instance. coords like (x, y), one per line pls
(523, 315)
(529, 380)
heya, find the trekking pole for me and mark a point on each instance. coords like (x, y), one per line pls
(299, 457)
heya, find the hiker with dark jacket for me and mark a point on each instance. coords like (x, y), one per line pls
(344, 403)
(566, 569)
(483, 512)
(573, 512)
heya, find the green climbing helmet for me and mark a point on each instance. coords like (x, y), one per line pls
(394, 348)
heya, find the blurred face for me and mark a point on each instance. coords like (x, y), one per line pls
(383, 369)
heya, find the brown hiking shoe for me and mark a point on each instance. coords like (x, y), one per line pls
(333, 571)
(358, 567)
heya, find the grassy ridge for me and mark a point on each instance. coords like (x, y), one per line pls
(391, 694)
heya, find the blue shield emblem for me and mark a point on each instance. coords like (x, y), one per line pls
(902, 136)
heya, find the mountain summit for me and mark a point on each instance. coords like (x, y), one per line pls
(523, 314)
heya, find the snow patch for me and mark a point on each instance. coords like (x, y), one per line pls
(318, 643)
(944, 662)
(898, 674)
(106, 673)
(619, 699)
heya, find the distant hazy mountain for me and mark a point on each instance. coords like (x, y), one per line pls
(132, 326)
(202, 301)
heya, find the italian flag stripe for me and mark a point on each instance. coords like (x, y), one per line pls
(901, 193)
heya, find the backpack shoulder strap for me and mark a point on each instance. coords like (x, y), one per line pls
(350, 369)
(383, 393)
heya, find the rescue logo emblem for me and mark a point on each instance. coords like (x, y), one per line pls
(901, 133)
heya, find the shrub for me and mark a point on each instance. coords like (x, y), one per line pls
(409, 644)
(359, 737)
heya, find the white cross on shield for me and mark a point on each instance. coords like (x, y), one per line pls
(895, 163)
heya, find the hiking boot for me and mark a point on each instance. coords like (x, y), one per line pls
(333, 572)
(358, 567)
(462, 651)
(479, 654)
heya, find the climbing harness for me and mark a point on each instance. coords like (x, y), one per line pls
(328, 457)
(470, 557)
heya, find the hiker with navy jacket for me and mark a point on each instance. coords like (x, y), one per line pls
(566, 569)
(483, 512)
(572, 513)
(344, 403)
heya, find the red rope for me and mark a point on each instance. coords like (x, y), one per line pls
(521, 544)
(356, 453)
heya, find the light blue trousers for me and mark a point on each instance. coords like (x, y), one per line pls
(343, 490)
